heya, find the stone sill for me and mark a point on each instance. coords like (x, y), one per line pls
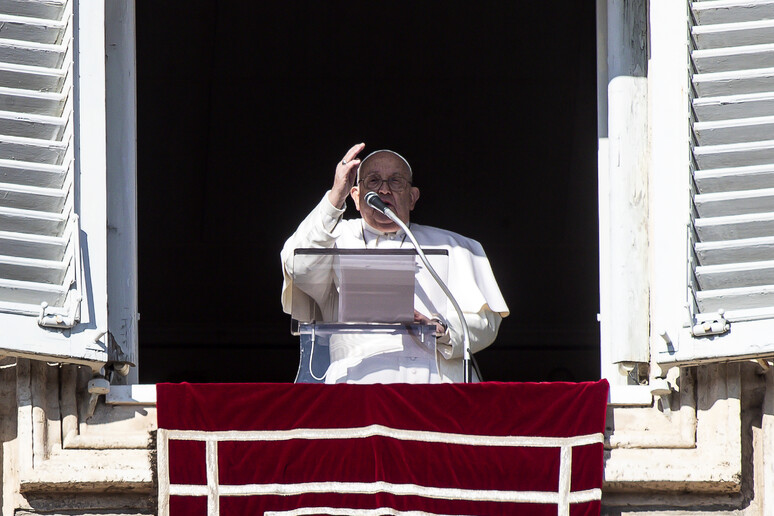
(90, 471)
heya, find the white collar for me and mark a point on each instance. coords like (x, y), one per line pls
(378, 232)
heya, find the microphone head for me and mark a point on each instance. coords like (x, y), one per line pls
(373, 200)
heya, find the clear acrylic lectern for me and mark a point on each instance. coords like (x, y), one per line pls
(342, 296)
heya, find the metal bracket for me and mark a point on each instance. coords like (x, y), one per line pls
(69, 315)
(97, 387)
(710, 324)
(48, 318)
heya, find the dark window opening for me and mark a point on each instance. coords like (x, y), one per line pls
(244, 108)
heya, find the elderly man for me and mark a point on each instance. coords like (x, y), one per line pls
(374, 360)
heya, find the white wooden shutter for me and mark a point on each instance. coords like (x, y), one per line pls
(732, 233)
(38, 227)
(52, 300)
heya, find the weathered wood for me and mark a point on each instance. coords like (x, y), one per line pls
(735, 82)
(626, 320)
(735, 251)
(32, 126)
(23, 292)
(741, 298)
(38, 271)
(735, 154)
(33, 102)
(735, 275)
(733, 34)
(15, 220)
(735, 226)
(47, 9)
(735, 202)
(32, 54)
(32, 78)
(727, 59)
(33, 198)
(36, 247)
(735, 178)
(732, 11)
(734, 106)
(33, 174)
(24, 28)
(738, 130)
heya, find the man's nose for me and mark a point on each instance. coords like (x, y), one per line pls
(384, 187)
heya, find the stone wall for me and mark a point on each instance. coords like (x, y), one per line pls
(60, 458)
(707, 448)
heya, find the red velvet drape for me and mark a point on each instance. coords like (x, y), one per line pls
(432, 470)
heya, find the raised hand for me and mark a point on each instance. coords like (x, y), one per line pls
(346, 171)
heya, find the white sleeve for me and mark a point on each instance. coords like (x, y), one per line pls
(483, 328)
(316, 230)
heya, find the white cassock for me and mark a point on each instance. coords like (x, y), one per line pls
(392, 358)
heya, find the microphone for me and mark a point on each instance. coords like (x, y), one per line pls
(373, 200)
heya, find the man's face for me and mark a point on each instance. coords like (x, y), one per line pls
(385, 166)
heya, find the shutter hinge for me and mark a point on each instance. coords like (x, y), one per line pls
(710, 324)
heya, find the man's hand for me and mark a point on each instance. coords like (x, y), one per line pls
(420, 318)
(346, 171)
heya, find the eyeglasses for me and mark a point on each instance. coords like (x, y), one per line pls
(397, 184)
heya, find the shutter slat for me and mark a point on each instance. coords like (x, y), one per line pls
(24, 292)
(32, 102)
(32, 149)
(33, 271)
(732, 83)
(33, 174)
(32, 54)
(33, 198)
(736, 298)
(735, 251)
(32, 77)
(734, 154)
(735, 178)
(727, 11)
(725, 59)
(14, 220)
(37, 247)
(736, 226)
(735, 275)
(47, 9)
(738, 130)
(31, 29)
(32, 126)
(735, 203)
(733, 34)
(724, 107)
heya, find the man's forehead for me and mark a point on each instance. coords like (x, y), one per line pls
(384, 162)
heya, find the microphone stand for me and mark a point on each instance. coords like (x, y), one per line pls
(466, 355)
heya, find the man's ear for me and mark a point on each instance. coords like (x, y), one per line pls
(414, 196)
(354, 192)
